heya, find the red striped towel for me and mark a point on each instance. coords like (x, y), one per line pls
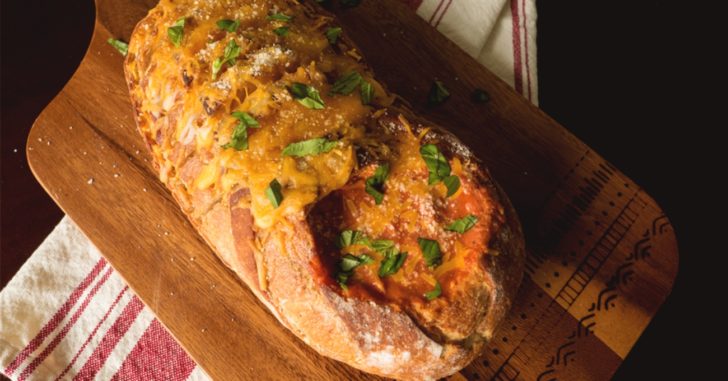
(68, 315)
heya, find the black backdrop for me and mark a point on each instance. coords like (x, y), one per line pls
(623, 76)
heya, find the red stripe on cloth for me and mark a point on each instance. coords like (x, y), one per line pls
(156, 356)
(62, 334)
(525, 42)
(517, 66)
(111, 338)
(56, 319)
(436, 10)
(93, 332)
(443, 13)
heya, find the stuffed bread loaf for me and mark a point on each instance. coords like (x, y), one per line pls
(375, 237)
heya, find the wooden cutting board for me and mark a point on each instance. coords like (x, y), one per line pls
(602, 256)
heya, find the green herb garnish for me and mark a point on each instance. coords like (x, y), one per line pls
(438, 94)
(307, 95)
(282, 31)
(228, 25)
(439, 168)
(367, 92)
(375, 183)
(392, 262)
(231, 52)
(119, 45)
(437, 291)
(430, 251)
(382, 245)
(332, 34)
(342, 278)
(177, 31)
(480, 96)
(309, 147)
(351, 237)
(350, 262)
(347, 265)
(346, 84)
(239, 140)
(462, 225)
(452, 183)
(273, 192)
(436, 163)
(280, 17)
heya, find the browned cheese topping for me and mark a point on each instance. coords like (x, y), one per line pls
(264, 95)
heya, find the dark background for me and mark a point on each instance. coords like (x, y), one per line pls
(623, 76)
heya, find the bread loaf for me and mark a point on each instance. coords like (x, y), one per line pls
(374, 236)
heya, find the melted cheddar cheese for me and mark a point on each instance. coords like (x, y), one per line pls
(187, 119)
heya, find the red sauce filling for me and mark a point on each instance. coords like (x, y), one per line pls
(461, 253)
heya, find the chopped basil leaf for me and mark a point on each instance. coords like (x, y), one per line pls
(439, 168)
(307, 95)
(436, 163)
(342, 278)
(378, 195)
(332, 34)
(298, 90)
(231, 52)
(282, 31)
(216, 66)
(228, 25)
(348, 264)
(438, 94)
(244, 117)
(239, 140)
(480, 96)
(346, 84)
(176, 31)
(367, 92)
(280, 17)
(309, 147)
(375, 183)
(452, 183)
(351, 237)
(437, 291)
(381, 174)
(119, 45)
(273, 192)
(350, 3)
(463, 224)
(382, 245)
(392, 262)
(430, 251)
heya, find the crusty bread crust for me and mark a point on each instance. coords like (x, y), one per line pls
(277, 263)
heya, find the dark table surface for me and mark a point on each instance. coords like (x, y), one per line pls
(615, 73)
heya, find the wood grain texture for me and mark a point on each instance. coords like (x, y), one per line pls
(602, 256)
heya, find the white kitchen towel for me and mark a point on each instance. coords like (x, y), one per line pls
(67, 315)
